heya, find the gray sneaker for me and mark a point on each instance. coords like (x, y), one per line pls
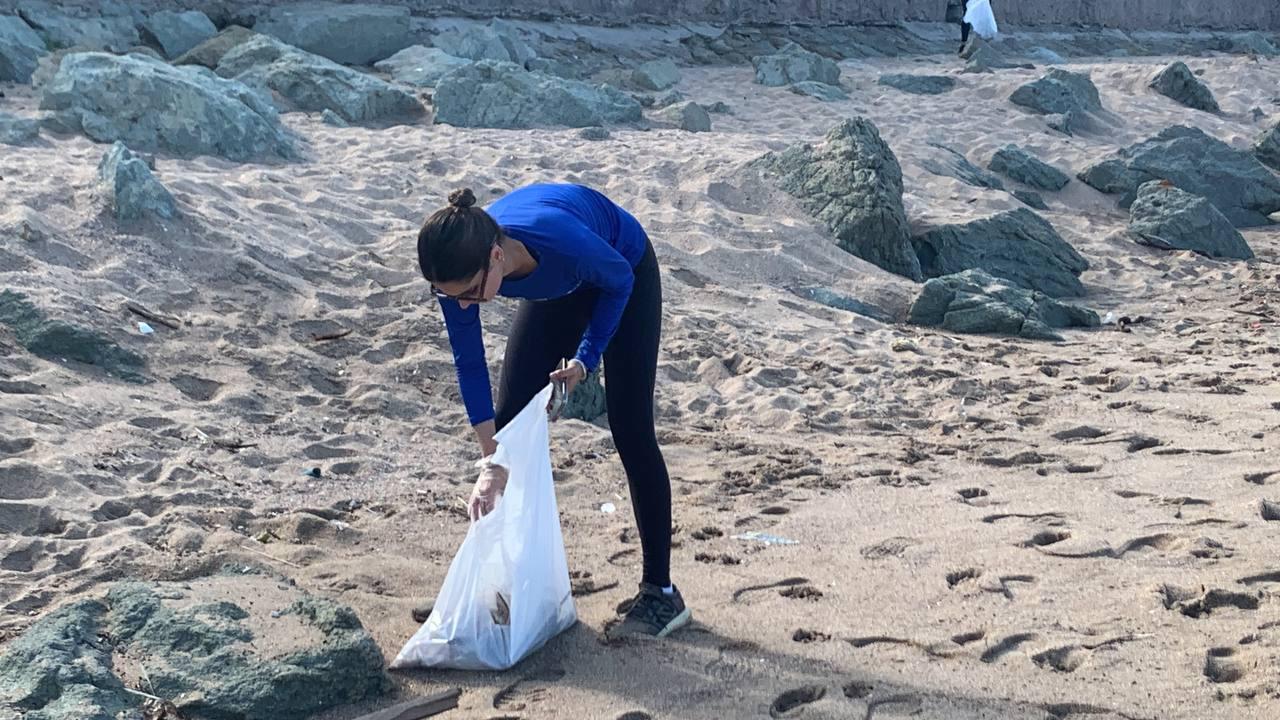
(653, 613)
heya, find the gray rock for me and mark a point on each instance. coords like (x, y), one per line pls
(594, 133)
(559, 68)
(975, 302)
(115, 33)
(420, 65)
(177, 32)
(312, 83)
(656, 74)
(1267, 148)
(329, 117)
(1165, 217)
(1030, 199)
(130, 188)
(1256, 113)
(498, 41)
(986, 59)
(794, 64)
(719, 108)
(1046, 56)
(688, 116)
(852, 183)
(821, 91)
(57, 341)
(1066, 123)
(503, 95)
(20, 49)
(1027, 169)
(919, 84)
(16, 130)
(1018, 246)
(210, 52)
(832, 299)
(1178, 83)
(587, 401)
(1059, 91)
(1233, 180)
(153, 106)
(667, 99)
(947, 162)
(1251, 43)
(352, 34)
(203, 657)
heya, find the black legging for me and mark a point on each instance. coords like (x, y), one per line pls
(545, 332)
(964, 26)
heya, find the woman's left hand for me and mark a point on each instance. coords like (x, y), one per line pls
(575, 373)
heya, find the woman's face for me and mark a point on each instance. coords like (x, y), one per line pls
(480, 287)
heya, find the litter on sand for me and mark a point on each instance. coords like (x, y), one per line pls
(765, 538)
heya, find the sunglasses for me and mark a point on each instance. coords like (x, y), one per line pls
(472, 295)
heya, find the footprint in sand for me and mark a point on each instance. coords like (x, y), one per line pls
(956, 577)
(1225, 665)
(1197, 604)
(1270, 510)
(809, 636)
(635, 715)
(529, 690)
(791, 702)
(1006, 646)
(1045, 538)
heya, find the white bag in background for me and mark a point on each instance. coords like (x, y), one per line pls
(979, 15)
(507, 590)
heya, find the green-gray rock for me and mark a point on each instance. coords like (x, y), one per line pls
(587, 401)
(852, 183)
(353, 34)
(56, 341)
(975, 302)
(656, 74)
(115, 33)
(1165, 217)
(15, 130)
(1027, 169)
(1030, 198)
(177, 32)
(503, 95)
(1267, 148)
(594, 133)
(1059, 91)
(794, 64)
(919, 84)
(1233, 180)
(821, 91)
(210, 52)
(20, 49)
(153, 106)
(1179, 84)
(949, 162)
(312, 83)
(688, 116)
(499, 41)
(130, 188)
(201, 657)
(1018, 246)
(420, 66)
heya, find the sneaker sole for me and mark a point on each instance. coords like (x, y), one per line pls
(676, 623)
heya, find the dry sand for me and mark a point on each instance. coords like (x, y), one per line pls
(956, 558)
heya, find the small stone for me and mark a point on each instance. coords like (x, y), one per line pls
(594, 133)
(1179, 84)
(1027, 169)
(919, 84)
(821, 91)
(131, 189)
(793, 64)
(689, 116)
(16, 130)
(329, 117)
(656, 74)
(1059, 91)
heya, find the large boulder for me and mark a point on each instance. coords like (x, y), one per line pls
(352, 34)
(919, 84)
(1059, 92)
(20, 49)
(130, 188)
(115, 33)
(1165, 217)
(975, 302)
(177, 32)
(1028, 169)
(688, 116)
(1267, 148)
(821, 91)
(1018, 246)
(210, 52)
(153, 106)
(852, 183)
(656, 74)
(420, 66)
(794, 64)
(504, 95)
(213, 658)
(313, 84)
(499, 41)
(1233, 180)
(1179, 84)
(15, 130)
(949, 162)
(58, 341)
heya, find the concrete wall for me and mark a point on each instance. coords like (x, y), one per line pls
(1127, 14)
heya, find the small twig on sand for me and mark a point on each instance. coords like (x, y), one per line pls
(271, 557)
(321, 337)
(136, 309)
(148, 696)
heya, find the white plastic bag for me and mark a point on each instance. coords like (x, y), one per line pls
(979, 15)
(507, 591)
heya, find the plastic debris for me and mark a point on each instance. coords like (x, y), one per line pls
(765, 538)
(145, 329)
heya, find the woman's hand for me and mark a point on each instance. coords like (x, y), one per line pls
(571, 375)
(489, 487)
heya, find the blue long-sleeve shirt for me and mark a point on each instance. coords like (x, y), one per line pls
(578, 237)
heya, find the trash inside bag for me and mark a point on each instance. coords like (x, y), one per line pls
(979, 15)
(507, 591)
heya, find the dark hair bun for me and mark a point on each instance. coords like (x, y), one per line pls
(463, 198)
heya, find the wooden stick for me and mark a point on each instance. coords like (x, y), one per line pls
(331, 336)
(418, 708)
(154, 317)
(268, 555)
